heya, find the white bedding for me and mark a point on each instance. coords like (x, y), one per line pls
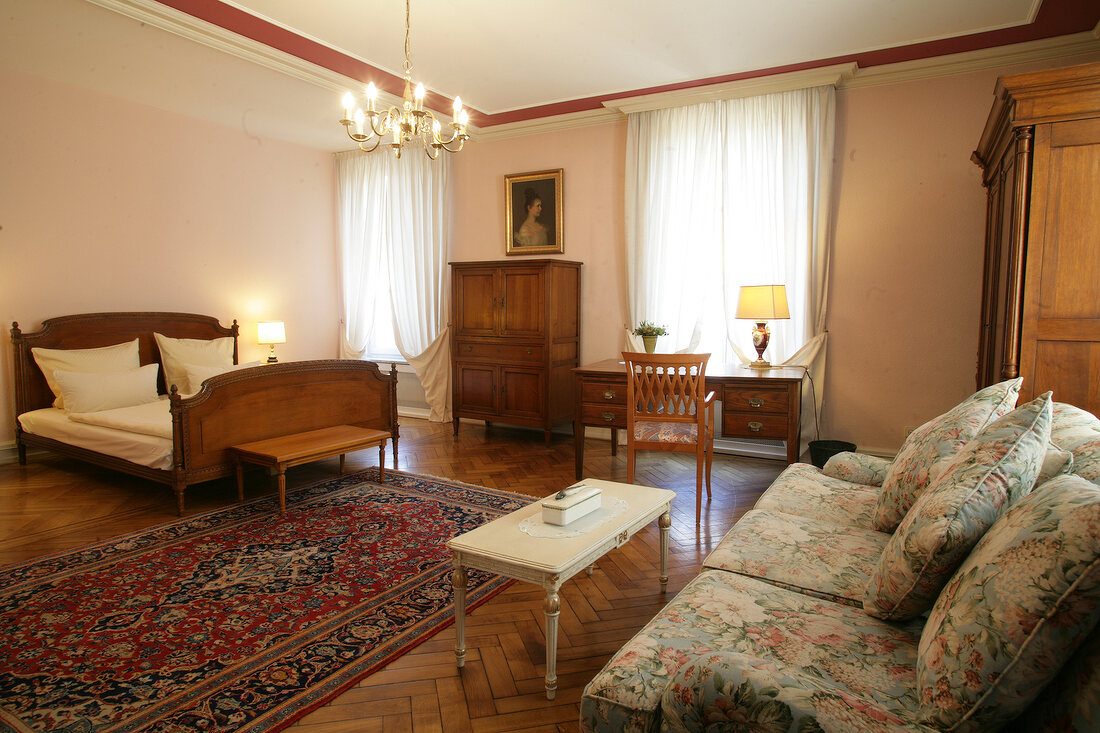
(153, 451)
(150, 418)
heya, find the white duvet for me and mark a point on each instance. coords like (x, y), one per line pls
(151, 418)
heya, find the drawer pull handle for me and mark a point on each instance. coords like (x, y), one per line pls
(756, 427)
(469, 348)
(609, 394)
(608, 416)
(756, 402)
(528, 351)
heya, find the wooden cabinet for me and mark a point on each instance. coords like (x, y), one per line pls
(1040, 155)
(515, 334)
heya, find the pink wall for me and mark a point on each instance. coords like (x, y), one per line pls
(134, 208)
(907, 243)
(909, 229)
(593, 160)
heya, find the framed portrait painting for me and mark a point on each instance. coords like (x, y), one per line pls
(533, 213)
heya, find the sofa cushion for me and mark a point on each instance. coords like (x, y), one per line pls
(858, 468)
(1015, 611)
(995, 469)
(1078, 432)
(803, 490)
(734, 692)
(810, 556)
(1070, 703)
(835, 646)
(937, 440)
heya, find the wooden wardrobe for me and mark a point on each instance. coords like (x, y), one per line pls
(515, 336)
(1040, 154)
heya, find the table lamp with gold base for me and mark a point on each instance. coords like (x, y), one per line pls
(762, 303)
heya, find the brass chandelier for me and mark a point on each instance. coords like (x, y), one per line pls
(404, 124)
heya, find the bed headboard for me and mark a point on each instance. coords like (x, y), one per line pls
(91, 330)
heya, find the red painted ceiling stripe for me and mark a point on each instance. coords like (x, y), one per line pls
(1055, 18)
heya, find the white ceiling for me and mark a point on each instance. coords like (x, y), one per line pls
(508, 54)
(499, 55)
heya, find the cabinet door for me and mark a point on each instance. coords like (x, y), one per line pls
(523, 392)
(524, 292)
(1060, 343)
(475, 299)
(475, 388)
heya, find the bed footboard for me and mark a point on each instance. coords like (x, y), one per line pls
(272, 400)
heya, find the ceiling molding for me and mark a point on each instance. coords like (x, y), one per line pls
(208, 34)
(821, 76)
(844, 76)
(986, 58)
(546, 124)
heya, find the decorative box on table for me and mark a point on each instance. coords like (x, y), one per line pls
(578, 502)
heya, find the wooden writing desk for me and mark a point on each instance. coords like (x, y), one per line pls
(756, 403)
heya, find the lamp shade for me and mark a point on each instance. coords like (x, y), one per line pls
(762, 303)
(270, 332)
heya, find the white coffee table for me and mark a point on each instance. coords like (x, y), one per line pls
(503, 547)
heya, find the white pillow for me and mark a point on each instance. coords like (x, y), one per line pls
(175, 354)
(117, 358)
(98, 391)
(197, 373)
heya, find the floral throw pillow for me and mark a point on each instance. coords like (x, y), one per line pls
(976, 487)
(937, 440)
(1026, 597)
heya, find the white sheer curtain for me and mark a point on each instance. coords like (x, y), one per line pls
(726, 194)
(392, 227)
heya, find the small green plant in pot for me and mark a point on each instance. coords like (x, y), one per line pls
(649, 333)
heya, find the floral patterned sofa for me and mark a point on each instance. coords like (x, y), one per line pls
(956, 588)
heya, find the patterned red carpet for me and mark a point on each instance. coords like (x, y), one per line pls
(237, 619)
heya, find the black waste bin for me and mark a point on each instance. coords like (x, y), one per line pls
(822, 450)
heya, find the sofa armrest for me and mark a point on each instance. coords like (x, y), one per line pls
(731, 691)
(858, 468)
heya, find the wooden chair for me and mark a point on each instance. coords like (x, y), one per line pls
(667, 410)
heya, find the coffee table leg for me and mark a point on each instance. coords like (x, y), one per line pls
(664, 523)
(552, 607)
(458, 580)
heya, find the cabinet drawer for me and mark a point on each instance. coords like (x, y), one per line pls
(598, 393)
(500, 352)
(756, 399)
(613, 416)
(753, 425)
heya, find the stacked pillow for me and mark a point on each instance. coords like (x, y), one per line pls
(117, 358)
(976, 486)
(1015, 611)
(95, 392)
(177, 354)
(934, 442)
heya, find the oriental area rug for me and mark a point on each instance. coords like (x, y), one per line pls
(237, 619)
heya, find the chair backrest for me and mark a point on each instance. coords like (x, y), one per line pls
(665, 387)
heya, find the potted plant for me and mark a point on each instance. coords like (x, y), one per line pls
(649, 333)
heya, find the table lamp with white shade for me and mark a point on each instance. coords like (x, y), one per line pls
(762, 303)
(271, 332)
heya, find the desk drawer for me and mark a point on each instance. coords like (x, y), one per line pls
(500, 352)
(613, 416)
(754, 425)
(756, 399)
(600, 393)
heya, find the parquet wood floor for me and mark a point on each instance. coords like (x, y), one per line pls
(55, 504)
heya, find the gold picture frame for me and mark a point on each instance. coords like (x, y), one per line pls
(534, 216)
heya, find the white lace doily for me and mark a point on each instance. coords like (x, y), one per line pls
(611, 508)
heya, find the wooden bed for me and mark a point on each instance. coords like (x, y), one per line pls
(236, 407)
